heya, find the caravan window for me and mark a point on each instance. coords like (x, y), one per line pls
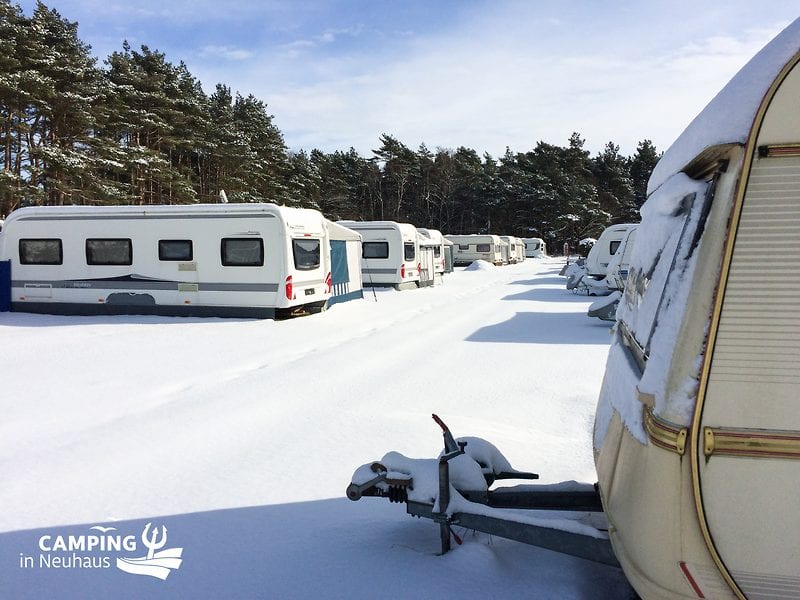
(375, 250)
(463, 246)
(242, 252)
(41, 252)
(409, 251)
(482, 248)
(614, 246)
(437, 251)
(175, 250)
(109, 252)
(306, 254)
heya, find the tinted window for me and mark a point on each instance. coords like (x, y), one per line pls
(482, 248)
(242, 252)
(463, 246)
(306, 254)
(614, 246)
(409, 251)
(109, 252)
(41, 252)
(437, 251)
(174, 249)
(375, 250)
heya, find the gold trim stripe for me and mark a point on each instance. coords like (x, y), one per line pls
(664, 434)
(779, 150)
(751, 443)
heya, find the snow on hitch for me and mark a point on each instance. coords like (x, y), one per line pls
(455, 489)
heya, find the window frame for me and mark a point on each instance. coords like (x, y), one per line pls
(227, 263)
(162, 243)
(371, 244)
(406, 246)
(318, 251)
(23, 241)
(95, 263)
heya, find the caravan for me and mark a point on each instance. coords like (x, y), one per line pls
(535, 247)
(607, 245)
(240, 260)
(390, 253)
(516, 249)
(469, 248)
(697, 434)
(435, 239)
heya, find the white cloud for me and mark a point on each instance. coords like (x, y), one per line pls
(225, 52)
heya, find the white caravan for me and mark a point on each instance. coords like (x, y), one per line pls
(606, 246)
(345, 247)
(437, 241)
(240, 260)
(697, 433)
(469, 248)
(448, 255)
(390, 253)
(535, 247)
(427, 261)
(516, 248)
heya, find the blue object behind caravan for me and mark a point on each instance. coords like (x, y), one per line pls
(5, 285)
(345, 260)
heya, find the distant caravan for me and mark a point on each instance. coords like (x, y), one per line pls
(697, 432)
(225, 260)
(535, 247)
(610, 241)
(391, 255)
(469, 248)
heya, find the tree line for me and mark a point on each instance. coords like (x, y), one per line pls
(139, 129)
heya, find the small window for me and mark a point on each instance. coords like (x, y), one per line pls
(375, 250)
(41, 252)
(437, 251)
(109, 252)
(463, 246)
(614, 246)
(306, 254)
(409, 251)
(242, 252)
(175, 250)
(482, 248)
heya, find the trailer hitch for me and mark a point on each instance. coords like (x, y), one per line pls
(440, 516)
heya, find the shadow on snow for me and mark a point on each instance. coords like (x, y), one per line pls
(545, 328)
(321, 549)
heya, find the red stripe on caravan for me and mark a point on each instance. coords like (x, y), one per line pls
(691, 580)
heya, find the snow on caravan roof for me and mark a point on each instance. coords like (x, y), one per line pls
(730, 114)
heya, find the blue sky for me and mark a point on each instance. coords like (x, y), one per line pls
(485, 74)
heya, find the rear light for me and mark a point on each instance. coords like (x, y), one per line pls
(403, 271)
(289, 287)
(419, 268)
(328, 283)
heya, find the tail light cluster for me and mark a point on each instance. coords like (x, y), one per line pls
(403, 271)
(328, 283)
(289, 288)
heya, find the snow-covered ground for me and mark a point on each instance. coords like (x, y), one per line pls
(241, 436)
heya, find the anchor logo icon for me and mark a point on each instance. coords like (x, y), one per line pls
(158, 563)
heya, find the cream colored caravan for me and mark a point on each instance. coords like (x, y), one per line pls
(697, 434)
